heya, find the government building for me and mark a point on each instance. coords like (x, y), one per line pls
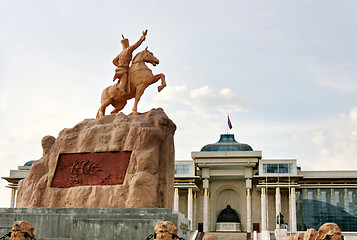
(264, 194)
(229, 187)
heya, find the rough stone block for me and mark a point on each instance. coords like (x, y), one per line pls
(149, 178)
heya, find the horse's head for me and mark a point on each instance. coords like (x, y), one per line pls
(149, 57)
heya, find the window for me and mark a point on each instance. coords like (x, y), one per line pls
(315, 207)
(273, 168)
(182, 169)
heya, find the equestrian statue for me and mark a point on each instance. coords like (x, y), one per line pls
(133, 79)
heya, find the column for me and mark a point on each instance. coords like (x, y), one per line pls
(176, 200)
(277, 205)
(263, 204)
(190, 206)
(194, 217)
(205, 184)
(205, 211)
(293, 209)
(346, 200)
(333, 197)
(12, 201)
(249, 211)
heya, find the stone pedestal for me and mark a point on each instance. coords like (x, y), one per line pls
(93, 223)
(228, 227)
(264, 235)
(117, 161)
(281, 234)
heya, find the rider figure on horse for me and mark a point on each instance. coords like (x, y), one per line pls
(123, 60)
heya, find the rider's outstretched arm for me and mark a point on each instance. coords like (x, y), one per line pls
(138, 43)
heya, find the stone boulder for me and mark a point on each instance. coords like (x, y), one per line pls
(165, 230)
(298, 236)
(208, 237)
(310, 234)
(117, 161)
(22, 230)
(330, 229)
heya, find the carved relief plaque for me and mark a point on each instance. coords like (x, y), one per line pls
(85, 169)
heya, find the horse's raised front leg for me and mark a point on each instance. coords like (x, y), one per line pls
(163, 82)
(139, 92)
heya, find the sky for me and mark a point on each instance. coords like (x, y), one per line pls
(284, 71)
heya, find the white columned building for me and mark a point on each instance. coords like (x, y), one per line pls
(224, 167)
(14, 177)
(231, 176)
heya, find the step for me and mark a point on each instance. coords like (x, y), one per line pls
(229, 235)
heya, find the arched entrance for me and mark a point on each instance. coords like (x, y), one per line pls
(227, 195)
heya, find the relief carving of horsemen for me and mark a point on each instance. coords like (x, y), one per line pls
(133, 79)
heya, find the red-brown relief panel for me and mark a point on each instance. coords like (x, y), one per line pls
(85, 169)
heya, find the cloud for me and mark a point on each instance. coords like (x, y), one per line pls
(204, 99)
(336, 78)
(226, 92)
(331, 144)
(194, 111)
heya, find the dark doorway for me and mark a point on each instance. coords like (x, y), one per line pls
(200, 227)
(256, 227)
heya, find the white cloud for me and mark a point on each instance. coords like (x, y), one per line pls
(202, 92)
(353, 114)
(204, 99)
(226, 92)
(318, 139)
(335, 78)
(331, 144)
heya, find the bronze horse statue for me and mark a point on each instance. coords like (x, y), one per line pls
(139, 78)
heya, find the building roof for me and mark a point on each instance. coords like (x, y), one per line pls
(29, 163)
(227, 143)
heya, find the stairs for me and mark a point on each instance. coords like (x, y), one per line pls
(229, 235)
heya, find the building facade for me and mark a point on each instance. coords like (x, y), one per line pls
(259, 190)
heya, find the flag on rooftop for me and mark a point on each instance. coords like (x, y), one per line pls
(229, 123)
